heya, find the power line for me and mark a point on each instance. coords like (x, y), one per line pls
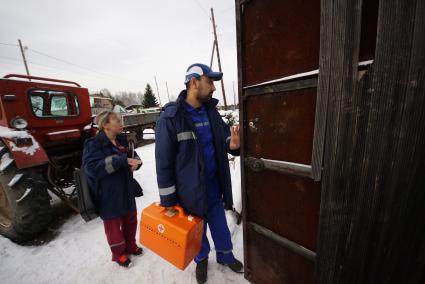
(9, 58)
(8, 44)
(57, 59)
(38, 64)
(203, 9)
(70, 63)
(83, 67)
(226, 9)
(5, 62)
(67, 62)
(50, 67)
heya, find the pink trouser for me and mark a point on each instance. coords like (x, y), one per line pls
(121, 234)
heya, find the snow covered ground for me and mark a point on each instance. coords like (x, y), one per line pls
(80, 253)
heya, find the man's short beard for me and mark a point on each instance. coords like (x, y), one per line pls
(204, 99)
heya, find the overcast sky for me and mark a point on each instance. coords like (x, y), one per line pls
(119, 45)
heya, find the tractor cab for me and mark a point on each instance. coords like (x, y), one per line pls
(55, 114)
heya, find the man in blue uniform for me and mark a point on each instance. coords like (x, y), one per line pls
(192, 142)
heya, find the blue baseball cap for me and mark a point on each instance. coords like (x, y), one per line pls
(197, 70)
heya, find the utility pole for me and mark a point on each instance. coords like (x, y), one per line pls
(218, 58)
(212, 55)
(157, 90)
(23, 57)
(168, 94)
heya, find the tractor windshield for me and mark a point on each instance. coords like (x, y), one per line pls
(47, 103)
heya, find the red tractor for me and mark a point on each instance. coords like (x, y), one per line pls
(43, 125)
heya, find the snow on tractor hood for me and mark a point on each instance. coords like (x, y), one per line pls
(10, 134)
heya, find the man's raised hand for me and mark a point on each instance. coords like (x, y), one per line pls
(235, 140)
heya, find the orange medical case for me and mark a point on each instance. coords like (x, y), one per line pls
(171, 234)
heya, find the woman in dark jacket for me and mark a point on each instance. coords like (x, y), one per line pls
(109, 168)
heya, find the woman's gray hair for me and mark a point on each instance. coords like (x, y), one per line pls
(104, 117)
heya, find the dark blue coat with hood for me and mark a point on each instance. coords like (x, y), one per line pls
(179, 158)
(109, 176)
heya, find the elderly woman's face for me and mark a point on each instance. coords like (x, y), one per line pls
(114, 125)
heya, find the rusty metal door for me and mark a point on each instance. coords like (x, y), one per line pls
(278, 58)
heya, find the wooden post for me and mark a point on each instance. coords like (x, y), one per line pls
(157, 90)
(212, 54)
(218, 58)
(23, 57)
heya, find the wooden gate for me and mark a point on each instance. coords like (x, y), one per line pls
(278, 58)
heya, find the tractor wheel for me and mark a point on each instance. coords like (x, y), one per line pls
(24, 201)
(139, 135)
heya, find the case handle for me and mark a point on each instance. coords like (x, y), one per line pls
(175, 207)
(181, 210)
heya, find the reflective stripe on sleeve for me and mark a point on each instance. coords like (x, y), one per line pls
(108, 164)
(167, 190)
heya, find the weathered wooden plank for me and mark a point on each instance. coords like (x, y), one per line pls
(371, 226)
(340, 40)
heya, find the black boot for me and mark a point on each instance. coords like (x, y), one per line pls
(202, 271)
(236, 266)
(124, 261)
(139, 251)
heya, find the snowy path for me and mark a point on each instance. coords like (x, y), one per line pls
(80, 253)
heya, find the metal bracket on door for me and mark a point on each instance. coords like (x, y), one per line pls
(288, 244)
(260, 164)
